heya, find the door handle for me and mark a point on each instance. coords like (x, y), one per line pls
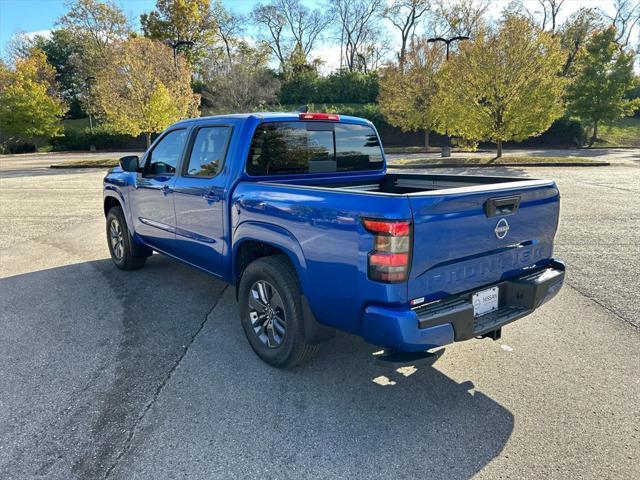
(166, 190)
(211, 197)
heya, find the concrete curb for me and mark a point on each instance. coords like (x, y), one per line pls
(493, 165)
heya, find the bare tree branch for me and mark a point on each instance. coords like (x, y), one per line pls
(404, 15)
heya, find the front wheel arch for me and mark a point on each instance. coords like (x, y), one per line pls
(109, 203)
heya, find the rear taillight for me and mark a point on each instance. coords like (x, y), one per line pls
(390, 257)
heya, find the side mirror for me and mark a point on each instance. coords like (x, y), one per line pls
(130, 163)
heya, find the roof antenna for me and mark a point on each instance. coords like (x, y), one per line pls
(303, 109)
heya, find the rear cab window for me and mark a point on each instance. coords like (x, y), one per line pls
(281, 148)
(208, 151)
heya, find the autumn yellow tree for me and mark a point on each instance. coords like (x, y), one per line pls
(30, 105)
(505, 85)
(140, 89)
(407, 95)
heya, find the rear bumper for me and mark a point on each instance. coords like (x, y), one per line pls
(451, 319)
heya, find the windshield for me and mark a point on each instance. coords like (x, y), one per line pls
(280, 148)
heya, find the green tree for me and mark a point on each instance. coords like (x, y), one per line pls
(141, 90)
(575, 32)
(96, 25)
(505, 85)
(88, 32)
(175, 21)
(604, 76)
(408, 90)
(29, 102)
(64, 53)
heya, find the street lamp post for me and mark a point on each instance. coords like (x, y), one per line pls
(88, 81)
(175, 46)
(446, 150)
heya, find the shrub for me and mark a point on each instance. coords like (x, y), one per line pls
(564, 132)
(25, 147)
(101, 140)
(339, 87)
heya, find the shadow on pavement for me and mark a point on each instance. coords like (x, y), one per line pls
(89, 356)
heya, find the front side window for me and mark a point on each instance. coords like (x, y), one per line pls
(209, 149)
(280, 148)
(165, 156)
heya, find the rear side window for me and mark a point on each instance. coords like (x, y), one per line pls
(208, 151)
(280, 148)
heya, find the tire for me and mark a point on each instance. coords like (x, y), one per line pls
(120, 243)
(276, 279)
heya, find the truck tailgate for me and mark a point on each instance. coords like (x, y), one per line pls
(465, 238)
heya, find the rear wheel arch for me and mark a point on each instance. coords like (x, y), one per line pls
(275, 312)
(253, 240)
(246, 250)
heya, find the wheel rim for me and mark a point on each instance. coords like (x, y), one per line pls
(117, 239)
(266, 313)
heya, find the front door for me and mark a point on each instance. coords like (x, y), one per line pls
(152, 207)
(200, 199)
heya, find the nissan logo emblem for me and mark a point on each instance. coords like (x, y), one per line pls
(502, 228)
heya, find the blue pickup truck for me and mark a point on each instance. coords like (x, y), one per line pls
(299, 213)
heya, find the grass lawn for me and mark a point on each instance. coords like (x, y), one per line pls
(100, 163)
(76, 124)
(624, 132)
(411, 150)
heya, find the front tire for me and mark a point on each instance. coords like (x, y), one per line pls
(120, 242)
(271, 312)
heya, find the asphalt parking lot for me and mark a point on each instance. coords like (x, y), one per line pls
(147, 374)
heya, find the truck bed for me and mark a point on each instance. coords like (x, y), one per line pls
(457, 244)
(406, 184)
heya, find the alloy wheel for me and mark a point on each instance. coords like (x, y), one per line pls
(266, 312)
(117, 238)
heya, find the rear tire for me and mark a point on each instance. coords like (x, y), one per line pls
(120, 242)
(271, 312)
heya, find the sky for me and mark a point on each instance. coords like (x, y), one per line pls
(39, 16)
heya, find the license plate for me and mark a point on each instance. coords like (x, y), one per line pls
(485, 301)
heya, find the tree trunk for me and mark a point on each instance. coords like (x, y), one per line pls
(499, 145)
(594, 137)
(427, 132)
(148, 137)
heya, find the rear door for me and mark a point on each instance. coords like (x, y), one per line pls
(465, 238)
(200, 198)
(152, 199)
